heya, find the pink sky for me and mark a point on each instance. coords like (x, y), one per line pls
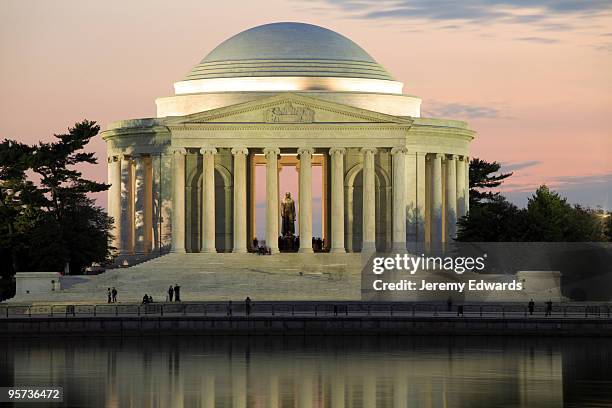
(535, 83)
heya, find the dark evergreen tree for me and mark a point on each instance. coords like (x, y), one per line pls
(46, 224)
(484, 176)
(496, 220)
(550, 218)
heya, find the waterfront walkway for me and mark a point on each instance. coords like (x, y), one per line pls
(303, 319)
(315, 309)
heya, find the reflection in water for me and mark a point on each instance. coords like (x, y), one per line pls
(314, 371)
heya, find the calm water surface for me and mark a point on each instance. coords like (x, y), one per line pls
(315, 372)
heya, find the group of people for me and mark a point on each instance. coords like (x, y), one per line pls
(111, 295)
(174, 292)
(287, 244)
(547, 309)
(174, 295)
(247, 307)
(530, 307)
(318, 244)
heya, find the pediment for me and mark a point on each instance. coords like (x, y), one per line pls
(287, 109)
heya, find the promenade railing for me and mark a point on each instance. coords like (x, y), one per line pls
(317, 309)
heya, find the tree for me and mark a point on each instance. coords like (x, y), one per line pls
(491, 217)
(53, 221)
(484, 176)
(551, 218)
(547, 218)
(18, 196)
(497, 220)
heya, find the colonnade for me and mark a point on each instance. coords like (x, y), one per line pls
(440, 182)
(130, 203)
(448, 198)
(272, 199)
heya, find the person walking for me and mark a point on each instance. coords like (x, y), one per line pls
(170, 293)
(531, 307)
(114, 293)
(247, 305)
(229, 308)
(177, 293)
(548, 308)
(459, 310)
(108, 295)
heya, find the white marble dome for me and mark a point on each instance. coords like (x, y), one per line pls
(288, 57)
(288, 49)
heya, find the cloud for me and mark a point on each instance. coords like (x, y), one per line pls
(519, 165)
(460, 111)
(604, 47)
(535, 12)
(589, 179)
(589, 190)
(539, 40)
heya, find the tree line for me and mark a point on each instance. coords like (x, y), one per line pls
(548, 217)
(47, 219)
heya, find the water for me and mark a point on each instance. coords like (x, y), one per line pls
(315, 372)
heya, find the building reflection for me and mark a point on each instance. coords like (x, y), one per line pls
(304, 372)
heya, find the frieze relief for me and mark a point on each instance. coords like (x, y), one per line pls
(287, 113)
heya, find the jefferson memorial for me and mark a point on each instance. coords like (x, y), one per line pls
(279, 95)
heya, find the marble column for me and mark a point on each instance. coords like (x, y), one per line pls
(305, 209)
(421, 194)
(127, 207)
(436, 199)
(451, 197)
(208, 199)
(228, 222)
(348, 199)
(142, 212)
(178, 200)
(240, 203)
(369, 199)
(460, 186)
(156, 203)
(337, 199)
(114, 197)
(271, 154)
(399, 197)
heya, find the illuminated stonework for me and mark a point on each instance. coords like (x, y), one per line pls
(286, 94)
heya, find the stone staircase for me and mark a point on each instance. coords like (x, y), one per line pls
(224, 276)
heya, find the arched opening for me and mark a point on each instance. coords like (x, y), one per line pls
(354, 213)
(223, 209)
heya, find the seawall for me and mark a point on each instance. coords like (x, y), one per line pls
(303, 326)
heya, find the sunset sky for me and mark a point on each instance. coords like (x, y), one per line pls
(534, 81)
